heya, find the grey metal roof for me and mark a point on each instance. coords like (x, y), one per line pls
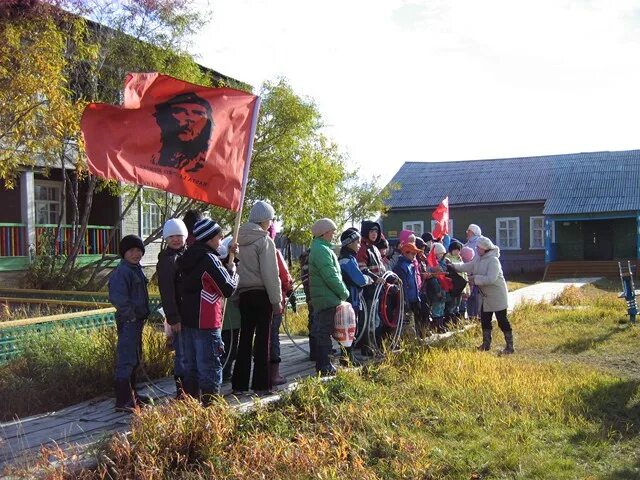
(574, 183)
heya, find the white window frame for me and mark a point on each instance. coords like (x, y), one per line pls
(433, 226)
(151, 205)
(499, 240)
(544, 233)
(36, 202)
(411, 224)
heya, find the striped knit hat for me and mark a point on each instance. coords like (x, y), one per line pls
(205, 229)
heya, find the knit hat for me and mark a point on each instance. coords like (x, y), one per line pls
(323, 226)
(382, 243)
(223, 249)
(467, 254)
(403, 236)
(191, 217)
(349, 236)
(261, 212)
(420, 243)
(439, 248)
(475, 229)
(427, 237)
(455, 245)
(128, 242)
(205, 229)
(485, 243)
(174, 226)
(409, 248)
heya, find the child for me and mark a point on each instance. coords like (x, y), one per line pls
(383, 247)
(468, 303)
(128, 294)
(354, 279)
(174, 233)
(406, 270)
(435, 290)
(459, 281)
(204, 282)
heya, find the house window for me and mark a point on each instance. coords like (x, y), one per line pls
(415, 226)
(508, 233)
(151, 211)
(433, 226)
(48, 202)
(536, 233)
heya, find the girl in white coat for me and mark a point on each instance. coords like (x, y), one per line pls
(485, 272)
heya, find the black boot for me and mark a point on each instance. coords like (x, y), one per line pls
(125, 399)
(508, 349)
(348, 358)
(323, 364)
(191, 388)
(141, 400)
(208, 397)
(486, 341)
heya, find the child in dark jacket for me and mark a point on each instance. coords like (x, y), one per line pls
(205, 281)
(128, 294)
(406, 270)
(354, 279)
(174, 234)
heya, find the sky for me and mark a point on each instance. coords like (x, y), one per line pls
(442, 80)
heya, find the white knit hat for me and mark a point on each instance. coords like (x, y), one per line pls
(439, 248)
(323, 226)
(475, 229)
(485, 243)
(261, 212)
(174, 226)
(223, 249)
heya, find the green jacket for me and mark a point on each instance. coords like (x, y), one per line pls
(325, 278)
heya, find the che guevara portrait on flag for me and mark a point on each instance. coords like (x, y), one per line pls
(191, 140)
(186, 125)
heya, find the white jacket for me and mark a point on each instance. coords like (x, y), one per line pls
(488, 276)
(258, 266)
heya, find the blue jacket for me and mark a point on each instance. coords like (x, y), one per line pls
(352, 277)
(405, 269)
(128, 292)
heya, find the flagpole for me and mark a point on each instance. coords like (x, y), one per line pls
(245, 176)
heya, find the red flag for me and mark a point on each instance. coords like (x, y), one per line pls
(432, 261)
(172, 135)
(441, 216)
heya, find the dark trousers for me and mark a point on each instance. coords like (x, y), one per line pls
(230, 337)
(255, 321)
(202, 350)
(129, 348)
(275, 338)
(501, 316)
(323, 326)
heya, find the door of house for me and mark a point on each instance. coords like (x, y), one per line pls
(598, 240)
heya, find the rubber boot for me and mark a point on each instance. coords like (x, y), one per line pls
(323, 364)
(508, 349)
(486, 341)
(125, 400)
(141, 400)
(191, 388)
(209, 397)
(276, 379)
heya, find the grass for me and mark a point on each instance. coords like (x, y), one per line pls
(68, 366)
(565, 406)
(18, 311)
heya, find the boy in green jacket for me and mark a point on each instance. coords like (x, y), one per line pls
(327, 291)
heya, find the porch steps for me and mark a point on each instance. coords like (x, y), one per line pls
(583, 268)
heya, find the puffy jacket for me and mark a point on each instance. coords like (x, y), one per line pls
(128, 292)
(352, 277)
(406, 270)
(258, 267)
(325, 279)
(488, 277)
(169, 282)
(205, 281)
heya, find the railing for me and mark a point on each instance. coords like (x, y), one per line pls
(13, 240)
(94, 242)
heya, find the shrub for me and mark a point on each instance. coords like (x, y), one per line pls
(571, 296)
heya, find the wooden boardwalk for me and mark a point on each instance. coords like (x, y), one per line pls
(79, 426)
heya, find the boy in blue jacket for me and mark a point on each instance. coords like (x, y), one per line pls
(128, 294)
(354, 279)
(406, 271)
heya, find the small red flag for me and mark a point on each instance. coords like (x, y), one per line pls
(441, 216)
(432, 261)
(176, 136)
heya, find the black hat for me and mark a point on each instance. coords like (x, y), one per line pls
(205, 229)
(349, 236)
(420, 243)
(455, 245)
(427, 237)
(191, 218)
(382, 243)
(128, 242)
